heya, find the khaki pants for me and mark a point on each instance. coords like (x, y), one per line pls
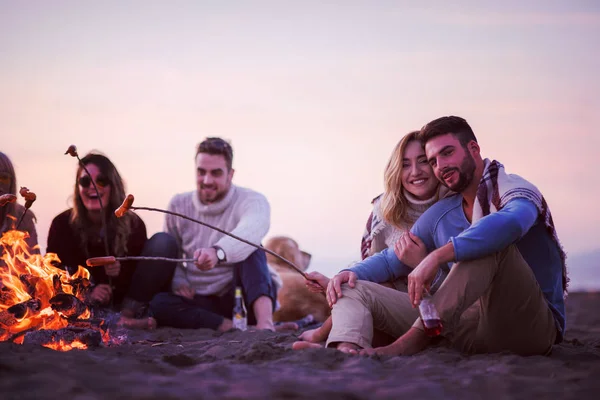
(487, 305)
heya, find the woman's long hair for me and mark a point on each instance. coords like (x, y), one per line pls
(394, 204)
(118, 228)
(6, 167)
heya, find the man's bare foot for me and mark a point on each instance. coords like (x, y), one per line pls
(314, 335)
(265, 325)
(305, 345)
(408, 344)
(348, 348)
(132, 323)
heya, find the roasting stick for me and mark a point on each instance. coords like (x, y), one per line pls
(100, 261)
(127, 205)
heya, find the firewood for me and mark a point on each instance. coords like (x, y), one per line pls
(19, 310)
(68, 305)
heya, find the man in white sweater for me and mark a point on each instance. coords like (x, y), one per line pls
(203, 292)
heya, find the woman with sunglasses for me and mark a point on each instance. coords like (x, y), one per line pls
(78, 233)
(11, 213)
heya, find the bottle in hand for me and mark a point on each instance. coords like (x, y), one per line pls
(240, 317)
(429, 316)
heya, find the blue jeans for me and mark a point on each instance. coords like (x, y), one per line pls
(252, 275)
(152, 277)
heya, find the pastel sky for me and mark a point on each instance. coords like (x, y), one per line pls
(313, 96)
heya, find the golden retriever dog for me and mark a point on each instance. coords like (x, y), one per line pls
(295, 300)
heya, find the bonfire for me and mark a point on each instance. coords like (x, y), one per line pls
(41, 303)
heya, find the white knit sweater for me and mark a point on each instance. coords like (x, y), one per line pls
(243, 212)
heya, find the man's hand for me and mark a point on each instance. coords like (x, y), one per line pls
(184, 291)
(317, 282)
(421, 277)
(113, 269)
(206, 258)
(410, 249)
(101, 294)
(334, 288)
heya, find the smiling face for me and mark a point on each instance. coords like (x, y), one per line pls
(417, 175)
(213, 177)
(86, 190)
(453, 164)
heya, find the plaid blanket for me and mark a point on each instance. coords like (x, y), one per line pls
(497, 188)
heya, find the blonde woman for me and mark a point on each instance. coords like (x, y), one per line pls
(410, 189)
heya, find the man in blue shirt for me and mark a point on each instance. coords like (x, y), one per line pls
(495, 241)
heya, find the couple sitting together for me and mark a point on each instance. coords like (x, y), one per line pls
(483, 244)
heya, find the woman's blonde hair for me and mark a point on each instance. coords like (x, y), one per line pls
(394, 204)
(118, 228)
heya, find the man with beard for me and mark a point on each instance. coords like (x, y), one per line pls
(203, 292)
(495, 241)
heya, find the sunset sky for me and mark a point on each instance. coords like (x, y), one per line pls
(312, 96)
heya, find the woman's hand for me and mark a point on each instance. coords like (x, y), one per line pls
(410, 249)
(101, 294)
(113, 269)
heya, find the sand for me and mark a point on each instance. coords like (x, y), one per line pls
(201, 364)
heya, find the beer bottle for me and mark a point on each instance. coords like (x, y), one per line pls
(429, 316)
(240, 317)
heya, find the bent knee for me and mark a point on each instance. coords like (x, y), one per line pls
(161, 243)
(358, 290)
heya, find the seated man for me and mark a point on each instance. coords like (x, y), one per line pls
(203, 292)
(505, 290)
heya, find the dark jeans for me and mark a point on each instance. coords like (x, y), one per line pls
(252, 275)
(152, 277)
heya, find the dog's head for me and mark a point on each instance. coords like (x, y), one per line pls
(287, 248)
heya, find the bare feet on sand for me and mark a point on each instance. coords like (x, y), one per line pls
(133, 323)
(265, 325)
(305, 345)
(348, 348)
(408, 344)
(314, 335)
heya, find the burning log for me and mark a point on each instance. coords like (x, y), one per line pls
(7, 319)
(19, 310)
(29, 281)
(68, 305)
(79, 285)
(56, 284)
(5, 294)
(64, 337)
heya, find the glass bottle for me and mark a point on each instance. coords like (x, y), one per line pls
(430, 318)
(240, 316)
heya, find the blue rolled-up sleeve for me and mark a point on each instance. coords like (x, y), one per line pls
(496, 231)
(380, 267)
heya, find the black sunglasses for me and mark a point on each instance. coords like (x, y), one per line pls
(86, 181)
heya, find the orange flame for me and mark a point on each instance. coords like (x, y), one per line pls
(30, 281)
(64, 346)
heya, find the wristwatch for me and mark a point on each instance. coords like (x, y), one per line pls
(220, 254)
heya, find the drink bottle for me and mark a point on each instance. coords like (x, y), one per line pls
(240, 317)
(429, 316)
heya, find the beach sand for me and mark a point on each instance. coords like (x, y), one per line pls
(201, 364)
